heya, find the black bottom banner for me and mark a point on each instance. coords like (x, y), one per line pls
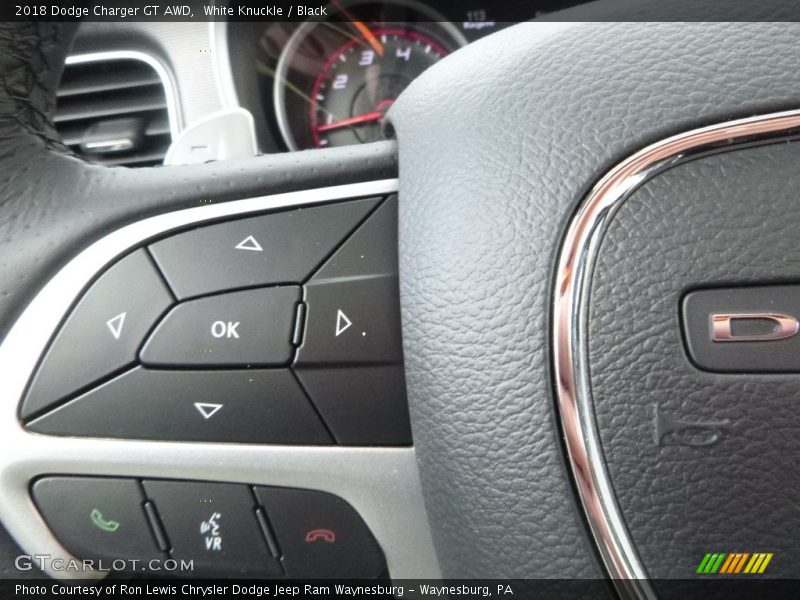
(116, 587)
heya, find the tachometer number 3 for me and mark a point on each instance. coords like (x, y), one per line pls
(367, 58)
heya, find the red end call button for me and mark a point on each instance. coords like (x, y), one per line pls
(321, 536)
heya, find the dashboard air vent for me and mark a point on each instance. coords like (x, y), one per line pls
(114, 111)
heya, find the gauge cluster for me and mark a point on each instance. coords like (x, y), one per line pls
(329, 82)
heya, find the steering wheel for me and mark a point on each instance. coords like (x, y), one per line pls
(572, 198)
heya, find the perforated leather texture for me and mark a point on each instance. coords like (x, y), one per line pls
(500, 157)
(727, 220)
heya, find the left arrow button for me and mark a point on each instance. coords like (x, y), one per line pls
(102, 334)
(115, 325)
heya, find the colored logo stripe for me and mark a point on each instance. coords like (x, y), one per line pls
(758, 563)
(734, 562)
(711, 562)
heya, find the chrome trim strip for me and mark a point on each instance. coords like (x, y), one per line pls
(381, 483)
(221, 60)
(174, 113)
(570, 305)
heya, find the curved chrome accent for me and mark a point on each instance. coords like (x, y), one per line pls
(575, 265)
(370, 478)
(174, 113)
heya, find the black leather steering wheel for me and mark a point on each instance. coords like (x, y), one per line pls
(498, 148)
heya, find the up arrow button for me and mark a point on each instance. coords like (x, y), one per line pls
(271, 249)
(249, 243)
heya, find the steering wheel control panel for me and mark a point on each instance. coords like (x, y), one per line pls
(282, 328)
(219, 529)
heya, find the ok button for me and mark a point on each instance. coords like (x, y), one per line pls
(223, 329)
(249, 328)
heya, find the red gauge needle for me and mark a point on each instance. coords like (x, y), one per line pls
(375, 115)
(361, 28)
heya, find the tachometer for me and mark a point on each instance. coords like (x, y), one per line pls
(358, 84)
(336, 80)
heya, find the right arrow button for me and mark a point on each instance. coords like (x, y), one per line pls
(352, 322)
(342, 323)
(353, 302)
(351, 360)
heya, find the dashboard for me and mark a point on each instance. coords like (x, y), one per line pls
(329, 82)
(316, 83)
(211, 363)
